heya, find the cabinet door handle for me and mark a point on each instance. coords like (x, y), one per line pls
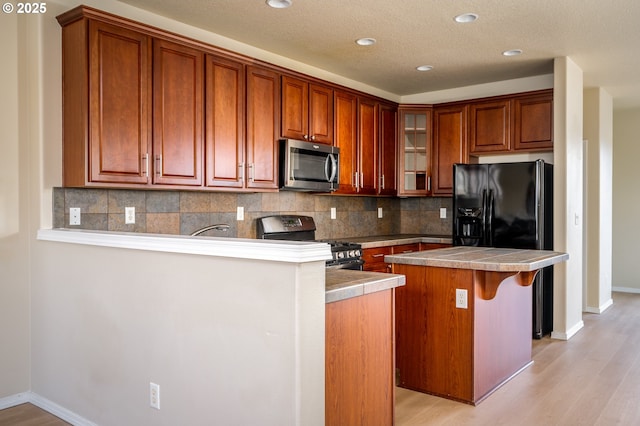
(361, 179)
(241, 172)
(145, 158)
(250, 172)
(429, 183)
(355, 180)
(306, 137)
(159, 164)
(382, 182)
(313, 137)
(378, 255)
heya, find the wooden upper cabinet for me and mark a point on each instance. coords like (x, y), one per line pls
(368, 146)
(346, 139)
(178, 87)
(262, 123)
(320, 114)
(388, 151)
(224, 122)
(533, 121)
(449, 145)
(307, 111)
(119, 99)
(358, 135)
(490, 126)
(295, 108)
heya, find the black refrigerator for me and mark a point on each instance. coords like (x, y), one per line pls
(509, 205)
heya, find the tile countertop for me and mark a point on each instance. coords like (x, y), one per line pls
(481, 258)
(397, 239)
(344, 283)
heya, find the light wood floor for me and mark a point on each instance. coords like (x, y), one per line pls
(28, 415)
(592, 379)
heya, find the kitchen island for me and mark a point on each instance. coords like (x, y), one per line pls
(463, 318)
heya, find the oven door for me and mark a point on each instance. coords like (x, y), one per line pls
(307, 166)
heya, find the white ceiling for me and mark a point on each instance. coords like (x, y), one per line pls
(601, 37)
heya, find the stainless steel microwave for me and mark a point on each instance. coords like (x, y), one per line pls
(308, 166)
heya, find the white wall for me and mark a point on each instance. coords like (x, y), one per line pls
(626, 199)
(230, 342)
(568, 197)
(598, 156)
(481, 90)
(14, 216)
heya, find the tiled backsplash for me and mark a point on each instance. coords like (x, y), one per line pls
(183, 212)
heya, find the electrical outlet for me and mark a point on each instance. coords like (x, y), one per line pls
(443, 213)
(240, 214)
(333, 212)
(129, 215)
(461, 298)
(154, 396)
(379, 212)
(74, 216)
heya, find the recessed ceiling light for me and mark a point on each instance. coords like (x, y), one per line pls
(466, 17)
(424, 68)
(512, 52)
(279, 4)
(367, 41)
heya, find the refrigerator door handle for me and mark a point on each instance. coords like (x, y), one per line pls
(490, 219)
(483, 217)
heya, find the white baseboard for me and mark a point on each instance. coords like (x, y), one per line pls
(626, 289)
(600, 309)
(13, 400)
(47, 405)
(569, 333)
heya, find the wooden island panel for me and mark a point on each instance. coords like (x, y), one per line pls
(460, 354)
(359, 382)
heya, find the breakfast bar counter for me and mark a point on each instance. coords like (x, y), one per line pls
(463, 318)
(482, 258)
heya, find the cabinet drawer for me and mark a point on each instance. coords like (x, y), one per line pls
(433, 246)
(405, 248)
(374, 259)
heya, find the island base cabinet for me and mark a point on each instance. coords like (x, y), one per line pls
(457, 353)
(359, 382)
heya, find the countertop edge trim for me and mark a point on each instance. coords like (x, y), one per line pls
(239, 248)
(486, 264)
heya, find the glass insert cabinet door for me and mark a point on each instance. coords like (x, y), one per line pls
(415, 145)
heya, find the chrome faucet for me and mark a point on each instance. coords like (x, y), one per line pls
(217, 226)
